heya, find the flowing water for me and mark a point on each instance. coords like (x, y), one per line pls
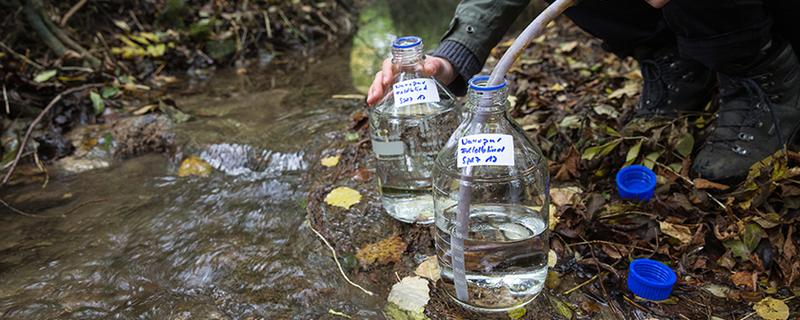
(134, 241)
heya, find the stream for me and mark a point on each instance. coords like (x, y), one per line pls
(134, 241)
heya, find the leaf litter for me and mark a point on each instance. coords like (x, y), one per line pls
(730, 245)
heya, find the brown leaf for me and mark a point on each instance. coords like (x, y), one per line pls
(789, 248)
(682, 233)
(744, 279)
(569, 169)
(564, 196)
(386, 251)
(703, 184)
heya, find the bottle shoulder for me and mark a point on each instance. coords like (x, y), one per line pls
(527, 157)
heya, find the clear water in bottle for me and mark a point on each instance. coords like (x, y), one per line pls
(408, 128)
(491, 207)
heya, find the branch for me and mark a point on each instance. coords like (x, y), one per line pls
(37, 120)
(37, 23)
(71, 12)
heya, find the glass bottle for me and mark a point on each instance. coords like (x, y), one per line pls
(491, 201)
(408, 127)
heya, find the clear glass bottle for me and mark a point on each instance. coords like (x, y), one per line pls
(408, 127)
(492, 246)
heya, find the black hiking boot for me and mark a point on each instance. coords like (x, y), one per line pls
(759, 113)
(672, 85)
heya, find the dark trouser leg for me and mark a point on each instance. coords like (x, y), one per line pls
(786, 14)
(723, 35)
(623, 25)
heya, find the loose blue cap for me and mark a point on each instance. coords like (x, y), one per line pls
(636, 182)
(406, 42)
(480, 83)
(650, 279)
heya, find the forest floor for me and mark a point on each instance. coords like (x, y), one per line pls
(733, 248)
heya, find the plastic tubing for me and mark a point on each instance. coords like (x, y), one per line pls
(532, 31)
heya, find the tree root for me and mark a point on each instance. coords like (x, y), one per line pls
(53, 36)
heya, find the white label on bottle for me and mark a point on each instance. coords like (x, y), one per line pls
(390, 148)
(486, 150)
(415, 91)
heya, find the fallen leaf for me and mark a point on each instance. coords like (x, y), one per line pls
(516, 314)
(343, 197)
(561, 307)
(567, 46)
(329, 161)
(573, 122)
(752, 235)
(563, 196)
(772, 309)
(97, 102)
(717, 290)
(552, 258)
(633, 153)
(410, 294)
(702, 184)
(630, 89)
(606, 110)
(744, 279)
(429, 268)
(685, 145)
(386, 251)
(194, 166)
(45, 75)
(682, 233)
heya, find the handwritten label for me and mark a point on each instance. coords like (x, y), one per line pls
(486, 150)
(415, 91)
(390, 148)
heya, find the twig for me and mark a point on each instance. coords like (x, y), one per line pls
(336, 259)
(266, 23)
(582, 284)
(690, 182)
(337, 313)
(20, 212)
(20, 56)
(37, 120)
(589, 242)
(5, 98)
(71, 11)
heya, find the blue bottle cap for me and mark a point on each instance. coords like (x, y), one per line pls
(406, 42)
(650, 279)
(636, 182)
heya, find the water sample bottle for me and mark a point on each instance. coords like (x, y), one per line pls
(408, 128)
(491, 200)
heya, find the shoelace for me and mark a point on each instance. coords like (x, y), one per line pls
(758, 103)
(656, 73)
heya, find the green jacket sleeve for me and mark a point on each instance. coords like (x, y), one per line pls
(478, 25)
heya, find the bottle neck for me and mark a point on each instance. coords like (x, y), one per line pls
(407, 54)
(488, 102)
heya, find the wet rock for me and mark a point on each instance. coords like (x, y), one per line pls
(147, 133)
(96, 146)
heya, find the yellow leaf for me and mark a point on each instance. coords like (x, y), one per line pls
(772, 309)
(517, 313)
(343, 197)
(194, 166)
(329, 161)
(630, 89)
(429, 269)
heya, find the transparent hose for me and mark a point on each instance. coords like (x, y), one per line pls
(533, 30)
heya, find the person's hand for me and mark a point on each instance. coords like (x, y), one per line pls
(657, 3)
(439, 68)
